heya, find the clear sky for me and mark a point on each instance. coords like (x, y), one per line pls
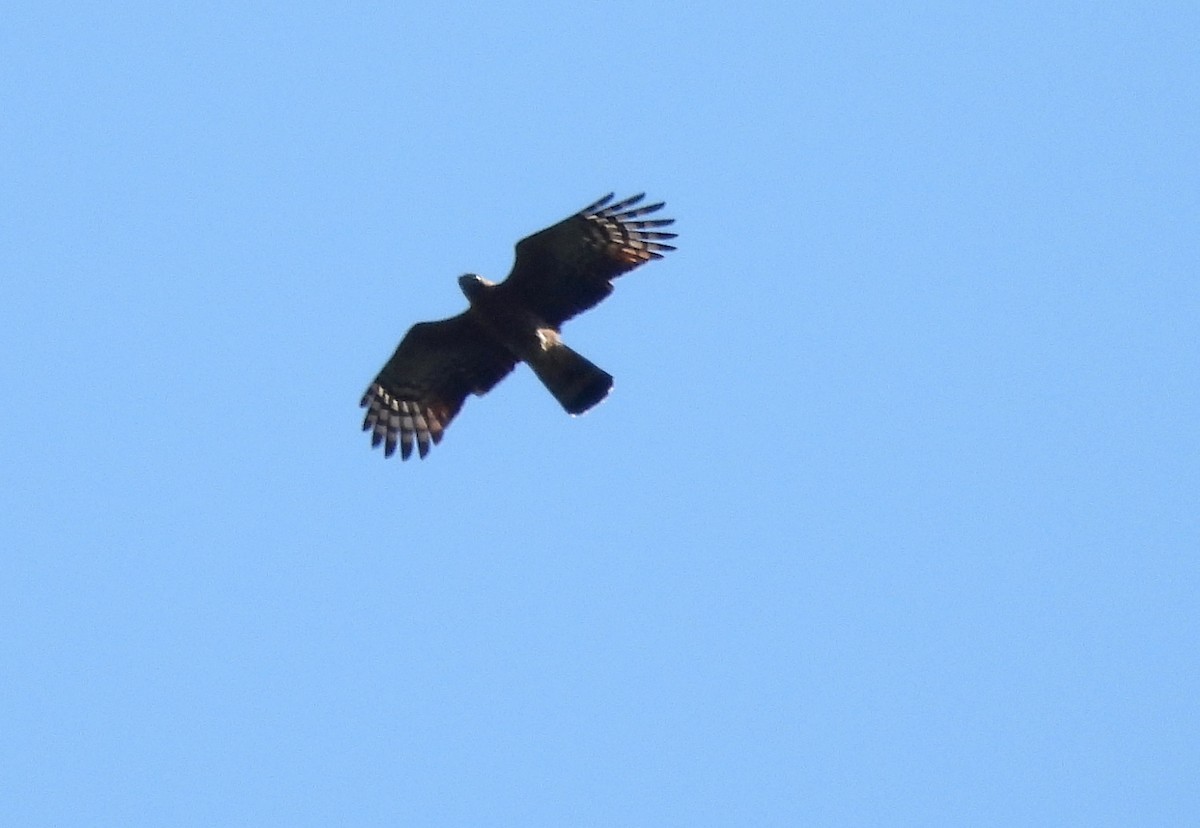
(893, 516)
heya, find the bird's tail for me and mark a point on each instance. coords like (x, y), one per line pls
(575, 382)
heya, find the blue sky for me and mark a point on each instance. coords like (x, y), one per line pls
(891, 517)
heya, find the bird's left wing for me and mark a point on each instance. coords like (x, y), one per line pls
(424, 384)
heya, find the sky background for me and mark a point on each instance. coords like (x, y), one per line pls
(891, 518)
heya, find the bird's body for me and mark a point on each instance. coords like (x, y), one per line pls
(575, 382)
(558, 273)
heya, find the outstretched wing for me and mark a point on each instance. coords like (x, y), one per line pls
(565, 269)
(423, 385)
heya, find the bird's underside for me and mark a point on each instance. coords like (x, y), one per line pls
(558, 273)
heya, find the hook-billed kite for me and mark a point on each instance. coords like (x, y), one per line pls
(558, 272)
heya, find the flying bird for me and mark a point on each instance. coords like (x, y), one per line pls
(558, 273)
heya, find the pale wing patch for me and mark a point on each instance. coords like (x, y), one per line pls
(393, 419)
(623, 235)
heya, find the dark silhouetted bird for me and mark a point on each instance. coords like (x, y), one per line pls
(558, 272)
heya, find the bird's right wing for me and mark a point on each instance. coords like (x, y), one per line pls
(568, 267)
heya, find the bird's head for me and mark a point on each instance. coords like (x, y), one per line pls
(472, 285)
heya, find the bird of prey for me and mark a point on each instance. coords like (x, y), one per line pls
(558, 272)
